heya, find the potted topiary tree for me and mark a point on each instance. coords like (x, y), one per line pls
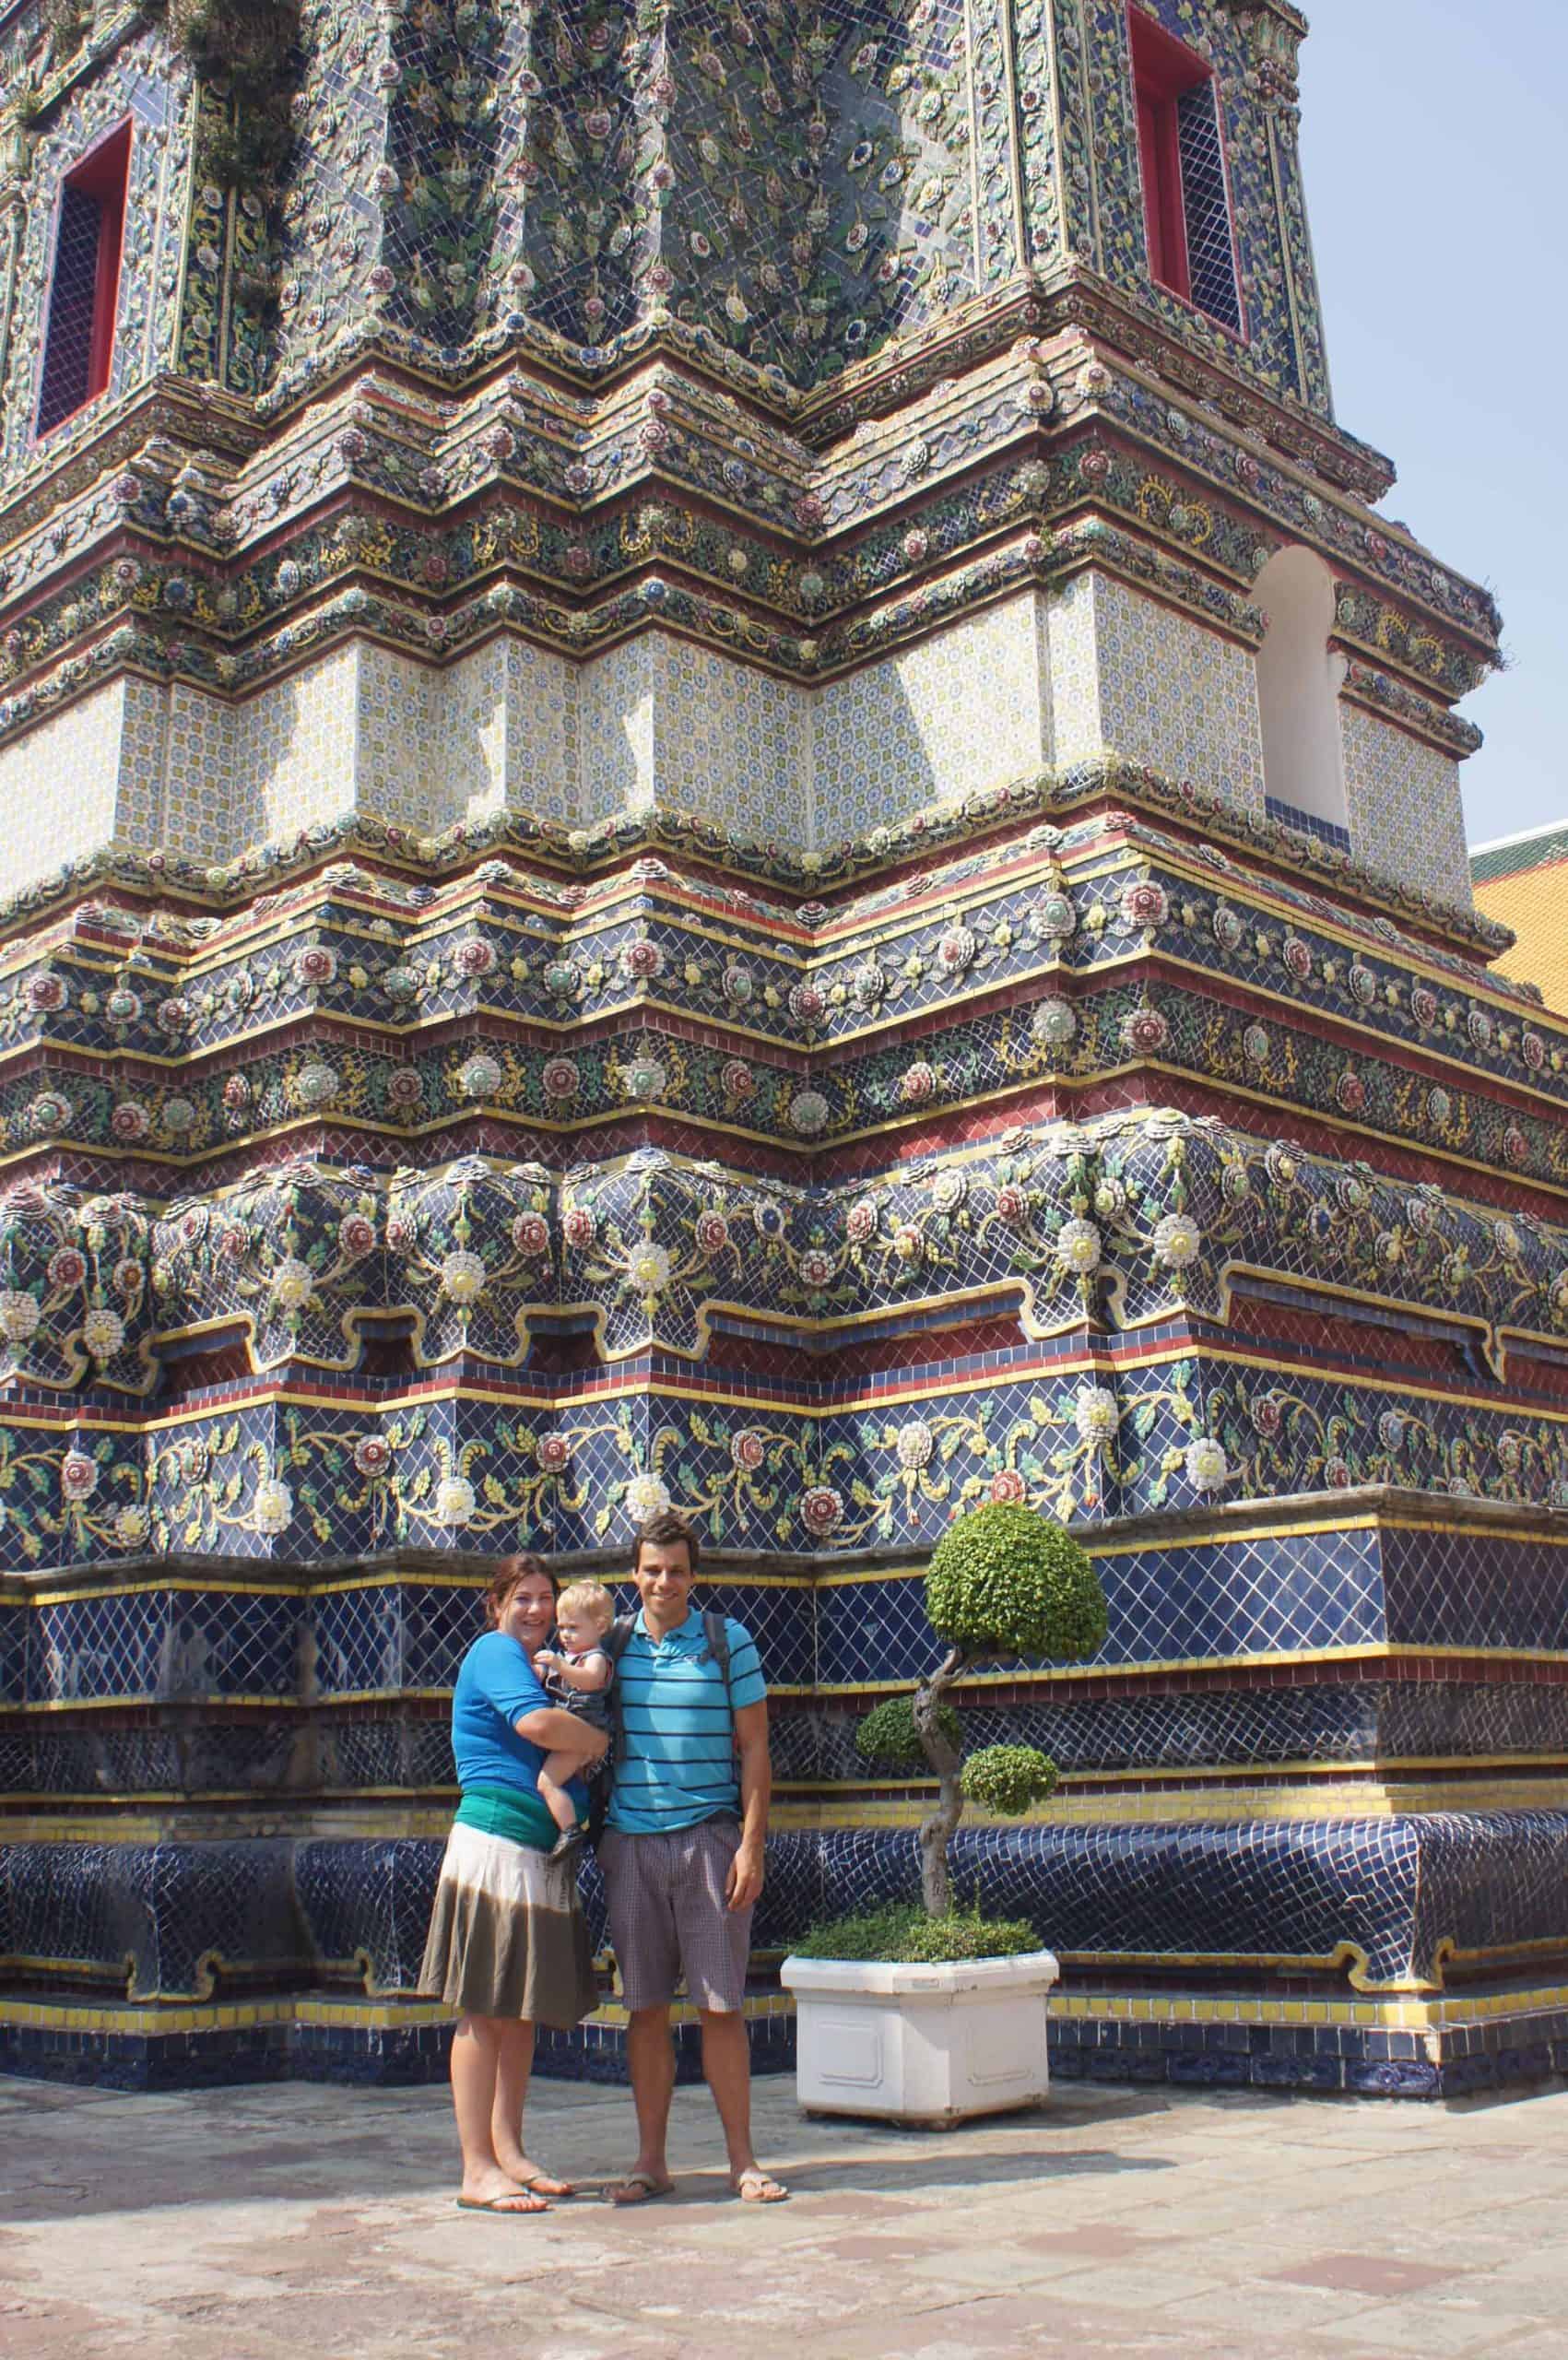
(919, 2013)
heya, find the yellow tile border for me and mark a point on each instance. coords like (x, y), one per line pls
(1217, 1795)
(270, 1393)
(1369, 1651)
(1210, 1806)
(1387, 2012)
(135, 2019)
(1394, 2014)
(347, 1698)
(1549, 1535)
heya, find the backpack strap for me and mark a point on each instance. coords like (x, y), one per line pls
(617, 1639)
(715, 1631)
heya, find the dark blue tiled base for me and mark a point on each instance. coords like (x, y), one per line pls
(597, 2053)
(1395, 1892)
(108, 2060)
(373, 2056)
(1511, 2053)
(1392, 1893)
(1515, 2053)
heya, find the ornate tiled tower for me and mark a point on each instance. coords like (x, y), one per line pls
(715, 785)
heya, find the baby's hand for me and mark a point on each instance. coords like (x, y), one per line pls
(547, 1657)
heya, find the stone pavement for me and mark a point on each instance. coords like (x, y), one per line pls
(309, 2223)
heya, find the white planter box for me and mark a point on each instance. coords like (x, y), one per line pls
(924, 2045)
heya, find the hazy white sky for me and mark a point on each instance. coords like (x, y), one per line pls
(1435, 135)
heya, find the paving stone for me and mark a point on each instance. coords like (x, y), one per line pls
(308, 2225)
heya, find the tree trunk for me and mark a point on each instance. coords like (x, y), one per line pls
(936, 1831)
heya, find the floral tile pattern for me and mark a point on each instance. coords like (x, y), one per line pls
(1127, 1221)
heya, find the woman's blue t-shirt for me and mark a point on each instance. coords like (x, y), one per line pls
(495, 1686)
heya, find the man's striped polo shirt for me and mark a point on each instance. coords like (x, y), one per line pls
(676, 1762)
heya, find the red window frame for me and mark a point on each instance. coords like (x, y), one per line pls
(103, 175)
(1165, 70)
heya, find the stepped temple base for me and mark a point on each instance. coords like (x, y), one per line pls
(1312, 1829)
(1403, 1955)
(323, 2035)
(1500, 2034)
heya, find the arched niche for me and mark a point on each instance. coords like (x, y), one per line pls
(1298, 691)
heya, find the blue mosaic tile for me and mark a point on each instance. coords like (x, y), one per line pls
(367, 1906)
(359, 1639)
(358, 1753)
(156, 1918)
(55, 1759)
(1475, 1589)
(523, 1103)
(1392, 1893)
(1289, 1594)
(1326, 831)
(15, 1622)
(168, 1645)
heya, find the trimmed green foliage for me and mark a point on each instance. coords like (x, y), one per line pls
(1002, 1582)
(902, 1934)
(1009, 1778)
(1007, 1582)
(888, 1734)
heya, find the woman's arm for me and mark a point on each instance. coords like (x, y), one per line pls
(554, 1728)
(589, 1677)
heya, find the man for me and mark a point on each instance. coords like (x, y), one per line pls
(682, 1853)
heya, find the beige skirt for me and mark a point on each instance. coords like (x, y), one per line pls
(507, 1936)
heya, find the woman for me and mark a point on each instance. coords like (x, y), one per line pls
(507, 1945)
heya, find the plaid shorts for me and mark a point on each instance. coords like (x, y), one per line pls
(668, 1916)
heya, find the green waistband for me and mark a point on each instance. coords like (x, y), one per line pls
(511, 1812)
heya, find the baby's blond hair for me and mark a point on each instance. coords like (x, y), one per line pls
(592, 1599)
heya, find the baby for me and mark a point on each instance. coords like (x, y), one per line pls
(576, 1676)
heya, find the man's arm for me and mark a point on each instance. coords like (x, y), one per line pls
(756, 1793)
(554, 1730)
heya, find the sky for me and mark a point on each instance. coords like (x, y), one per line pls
(1434, 135)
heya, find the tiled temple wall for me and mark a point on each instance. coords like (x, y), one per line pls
(654, 721)
(659, 721)
(614, 703)
(163, 1631)
(1405, 812)
(1132, 676)
(511, 714)
(75, 783)
(965, 709)
(295, 748)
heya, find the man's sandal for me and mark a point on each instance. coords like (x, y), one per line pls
(647, 2188)
(754, 2185)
